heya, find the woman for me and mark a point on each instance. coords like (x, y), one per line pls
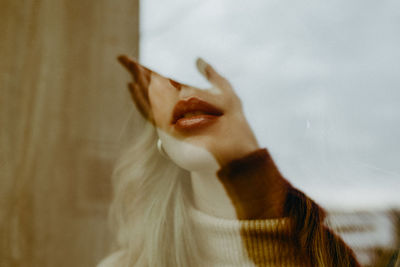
(197, 190)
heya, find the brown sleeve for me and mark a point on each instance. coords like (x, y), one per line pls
(255, 185)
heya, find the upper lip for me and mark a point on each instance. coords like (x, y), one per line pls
(193, 104)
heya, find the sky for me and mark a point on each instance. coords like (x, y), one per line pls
(319, 81)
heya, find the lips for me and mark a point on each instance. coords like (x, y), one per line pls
(193, 114)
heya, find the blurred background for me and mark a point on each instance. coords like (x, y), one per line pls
(63, 106)
(319, 84)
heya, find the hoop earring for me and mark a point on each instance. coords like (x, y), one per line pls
(161, 149)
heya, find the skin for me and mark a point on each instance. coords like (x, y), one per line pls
(214, 148)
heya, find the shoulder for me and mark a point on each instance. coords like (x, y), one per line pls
(113, 260)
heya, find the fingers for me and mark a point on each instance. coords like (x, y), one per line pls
(201, 66)
(212, 75)
(141, 100)
(141, 74)
(130, 65)
(140, 86)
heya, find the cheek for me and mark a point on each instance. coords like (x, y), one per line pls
(160, 114)
(162, 101)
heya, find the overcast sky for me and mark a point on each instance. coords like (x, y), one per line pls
(320, 82)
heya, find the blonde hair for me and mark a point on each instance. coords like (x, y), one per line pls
(149, 209)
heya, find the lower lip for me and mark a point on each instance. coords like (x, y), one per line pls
(195, 122)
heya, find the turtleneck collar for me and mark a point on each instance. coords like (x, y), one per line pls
(225, 242)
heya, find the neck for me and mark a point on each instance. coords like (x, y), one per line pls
(210, 196)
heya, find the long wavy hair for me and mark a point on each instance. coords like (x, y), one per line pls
(149, 214)
(149, 208)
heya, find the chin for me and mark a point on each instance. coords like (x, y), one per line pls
(193, 158)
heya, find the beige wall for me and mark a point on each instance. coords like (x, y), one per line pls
(63, 102)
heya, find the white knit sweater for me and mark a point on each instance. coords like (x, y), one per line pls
(226, 243)
(260, 242)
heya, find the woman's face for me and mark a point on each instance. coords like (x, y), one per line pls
(188, 121)
(196, 126)
(188, 113)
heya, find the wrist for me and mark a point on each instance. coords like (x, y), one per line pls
(255, 186)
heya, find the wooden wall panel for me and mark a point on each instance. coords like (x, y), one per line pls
(63, 104)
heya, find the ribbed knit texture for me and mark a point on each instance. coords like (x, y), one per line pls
(225, 242)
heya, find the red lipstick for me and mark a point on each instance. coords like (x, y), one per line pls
(193, 114)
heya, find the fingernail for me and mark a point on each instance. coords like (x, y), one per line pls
(201, 66)
(123, 60)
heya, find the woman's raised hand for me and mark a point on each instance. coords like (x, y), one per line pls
(155, 96)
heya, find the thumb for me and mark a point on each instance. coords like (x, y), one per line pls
(212, 75)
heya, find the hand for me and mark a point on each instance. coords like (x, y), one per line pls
(155, 96)
(239, 139)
